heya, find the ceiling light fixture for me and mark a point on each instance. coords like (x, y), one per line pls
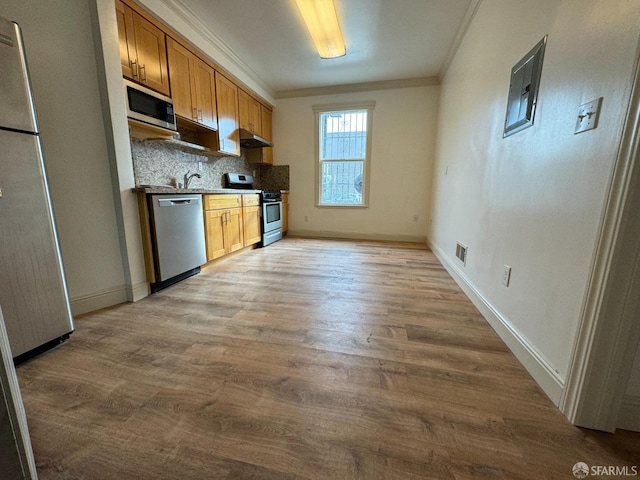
(322, 22)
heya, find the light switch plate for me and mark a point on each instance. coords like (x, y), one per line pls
(588, 115)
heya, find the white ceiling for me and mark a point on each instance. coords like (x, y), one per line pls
(386, 39)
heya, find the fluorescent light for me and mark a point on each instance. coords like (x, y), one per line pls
(322, 22)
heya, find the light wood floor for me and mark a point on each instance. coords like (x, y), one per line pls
(308, 359)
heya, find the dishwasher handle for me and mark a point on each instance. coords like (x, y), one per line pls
(177, 202)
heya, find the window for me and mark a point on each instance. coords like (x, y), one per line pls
(343, 152)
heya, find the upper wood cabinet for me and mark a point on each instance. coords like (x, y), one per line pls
(262, 155)
(193, 86)
(142, 49)
(249, 113)
(227, 101)
(266, 122)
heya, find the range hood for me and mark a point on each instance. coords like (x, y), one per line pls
(249, 140)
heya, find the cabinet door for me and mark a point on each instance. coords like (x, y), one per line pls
(285, 212)
(227, 102)
(152, 54)
(205, 93)
(214, 231)
(124, 16)
(181, 66)
(249, 113)
(234, 230)
(267, 133)
(251, 221)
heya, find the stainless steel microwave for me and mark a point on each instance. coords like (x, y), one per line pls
(147, 106)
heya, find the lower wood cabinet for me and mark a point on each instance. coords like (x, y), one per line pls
(223, 223)
(251, 219)
(285, 212)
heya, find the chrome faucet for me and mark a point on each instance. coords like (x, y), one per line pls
(187, 178)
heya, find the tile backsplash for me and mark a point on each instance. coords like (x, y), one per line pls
(157, 162)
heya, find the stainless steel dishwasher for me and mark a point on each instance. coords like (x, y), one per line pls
(177, 226)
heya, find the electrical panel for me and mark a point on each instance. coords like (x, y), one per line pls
(523, 90)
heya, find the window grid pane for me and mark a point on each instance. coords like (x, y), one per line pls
(342, 156)
(343, 135)
(341, 183)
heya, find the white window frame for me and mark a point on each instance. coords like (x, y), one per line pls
(366, 170)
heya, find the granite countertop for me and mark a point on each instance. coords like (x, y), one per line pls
(160, 189)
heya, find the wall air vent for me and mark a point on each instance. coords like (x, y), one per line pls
(461, 253)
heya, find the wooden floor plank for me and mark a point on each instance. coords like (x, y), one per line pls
(309, 359)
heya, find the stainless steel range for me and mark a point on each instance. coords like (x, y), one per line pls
(270, 202)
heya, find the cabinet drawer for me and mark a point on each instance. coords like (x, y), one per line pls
(215, 202)
(250, 200)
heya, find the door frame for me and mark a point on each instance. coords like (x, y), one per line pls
(609, 332)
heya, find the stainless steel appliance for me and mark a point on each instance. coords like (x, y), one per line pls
(147, 106)
(271, 206)
(177, 236)
(15, 444)
(271, 216)
(33, 292)
(251, 140)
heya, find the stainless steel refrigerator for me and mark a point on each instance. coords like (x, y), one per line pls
(33, 292)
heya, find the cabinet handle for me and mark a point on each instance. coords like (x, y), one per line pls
(134, 67)
(195, 114)
(199, 114)
(144, 69)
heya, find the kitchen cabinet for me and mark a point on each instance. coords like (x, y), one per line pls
(266, 121)
(143, 53)
(285, 212)
(227, 102)
(193, 86)
(257, 118)
(251, 219)
(249, 111)
(224, 230)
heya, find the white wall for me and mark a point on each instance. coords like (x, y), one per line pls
(404, 127)
(59, 47)
(533, 200)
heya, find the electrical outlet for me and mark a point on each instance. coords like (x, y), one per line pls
(506, 275)
(200, 167)
(461, 252)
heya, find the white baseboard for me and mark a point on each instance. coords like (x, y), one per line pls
(629, 416)
(357, 236)
(138, 292)
(107, 298)
(543, 373)
(96, 301)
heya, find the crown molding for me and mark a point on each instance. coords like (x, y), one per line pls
(185, 14)
(469, 15)
(358, 87)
